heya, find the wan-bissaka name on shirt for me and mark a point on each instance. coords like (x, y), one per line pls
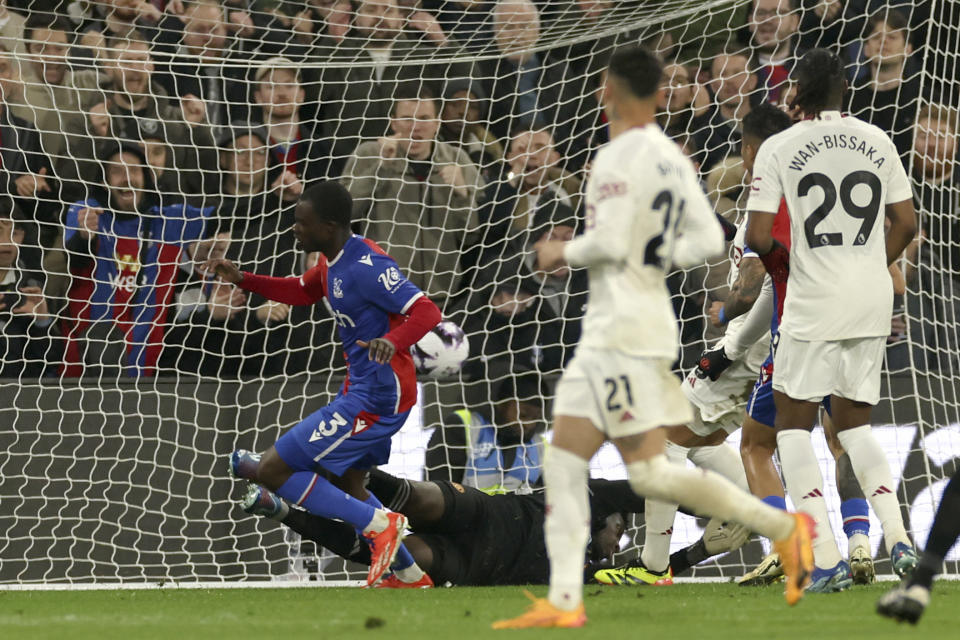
(836, 141)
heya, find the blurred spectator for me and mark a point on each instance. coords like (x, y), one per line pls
(25, 321)
(416, 196)
(27, 174)
(888, 95)
(422, 25)
(734, 89)
(773, 36)
(468, 21)
(322, 25)
(53, 100)
(501, 455)
(356, 98)
(534, 185)
(683, 105)
(933, 259)
(524, 90)
(11, 29)
(137, 108)
(461, 125)
(294, 145)
(123, 252)
(823, 24)
(206, 63)
(115, 19)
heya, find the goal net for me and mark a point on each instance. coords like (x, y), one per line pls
(139, 139)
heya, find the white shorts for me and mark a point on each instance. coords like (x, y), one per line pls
(811, 370)
(620, 394)
(719, 404)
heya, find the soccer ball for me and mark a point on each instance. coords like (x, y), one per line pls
(441, 353)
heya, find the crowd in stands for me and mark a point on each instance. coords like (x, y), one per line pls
(137, 138)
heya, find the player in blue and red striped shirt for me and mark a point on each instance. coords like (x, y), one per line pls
(379, 315)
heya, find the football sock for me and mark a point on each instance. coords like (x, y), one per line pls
(693, 555)
(404, 566)
(856, 517)
(658, 520)
(943, 535)
(318, 496)
(566, 525)
(723, 460)
(801, 471)
(873, 472)
(339, 537)
(707, 494)
(394, 491)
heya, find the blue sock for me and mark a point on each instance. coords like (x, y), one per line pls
(856, 516)
(319, 497)
(404, 558)
(777, 502)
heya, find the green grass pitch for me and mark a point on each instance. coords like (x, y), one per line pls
(700, 611)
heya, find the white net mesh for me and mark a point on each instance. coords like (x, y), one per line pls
(137, 139)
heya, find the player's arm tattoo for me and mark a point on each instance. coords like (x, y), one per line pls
(746, 288)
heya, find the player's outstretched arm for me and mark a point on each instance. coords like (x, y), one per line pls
(294, 291)
(903, 228)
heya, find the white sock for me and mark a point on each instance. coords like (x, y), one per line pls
(658, 520)
(801, 472)
(566, 525)
(379, 522)
(873, 472)
(857, 540)
(411, 574)
(707, 494)
(724, 460)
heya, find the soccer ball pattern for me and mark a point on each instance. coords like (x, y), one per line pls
(442, 352)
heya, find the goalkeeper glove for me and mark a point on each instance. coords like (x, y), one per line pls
(712, 363)
(777, 262)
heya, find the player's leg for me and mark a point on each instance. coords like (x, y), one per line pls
(908, 601)
(805, 372)
(851, 405)
(659, 516)
(424, 503)
(853, 508)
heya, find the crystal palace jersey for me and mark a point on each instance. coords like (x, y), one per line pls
(837, 174)
(646, 213)
(365, 292)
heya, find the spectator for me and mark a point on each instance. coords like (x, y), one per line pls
(461, 125)
(933, 260)
(421, 25)
(25, 321)
(116, 20)
(294, 147)
(467, 21)
(11, 31)
(356, 95)
(683, 106)
(734, 91)
(205, 64)
(322, 25)
(888, 95)
(416, 196)
(499, 456)
(525, 91)
(123, 252)
(137, 106)
(535, 184)
(773, 29)
(27, 174)
(53, 100)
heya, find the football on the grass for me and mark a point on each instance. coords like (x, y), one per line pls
(442, 351)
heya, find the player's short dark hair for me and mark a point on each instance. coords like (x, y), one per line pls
(765, 120)
(330, 202)
(893, 19)
(638, 68)
(46, 21)
(411, 91)
(821, 82)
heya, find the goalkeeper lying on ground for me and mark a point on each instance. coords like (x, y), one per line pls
(466, 537)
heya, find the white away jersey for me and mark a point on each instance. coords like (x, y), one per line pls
(646, 213)
(837, 174)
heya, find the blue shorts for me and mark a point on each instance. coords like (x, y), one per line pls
(760, 405)
(340, 436)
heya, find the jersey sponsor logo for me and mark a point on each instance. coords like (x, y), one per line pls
(343, 320)
(324, 431)
(607, 190)
(367, 260)
(390, 279)
(337, 288)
